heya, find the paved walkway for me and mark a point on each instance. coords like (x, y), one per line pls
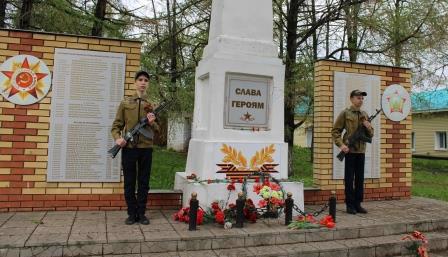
(102, 230)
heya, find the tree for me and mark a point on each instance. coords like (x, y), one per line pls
(100, 14)
(3, 4)
(25, 14)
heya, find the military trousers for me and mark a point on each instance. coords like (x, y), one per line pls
(354, 179)
(136, 163)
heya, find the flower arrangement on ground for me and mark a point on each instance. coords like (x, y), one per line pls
(309, 221)
(220, 212)
(419, 246)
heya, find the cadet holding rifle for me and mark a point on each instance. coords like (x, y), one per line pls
(136, 154)
(350, 120)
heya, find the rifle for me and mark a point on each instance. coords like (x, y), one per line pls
(138, 129)
(359, 135)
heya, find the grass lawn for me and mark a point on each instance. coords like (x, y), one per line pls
(430, 178)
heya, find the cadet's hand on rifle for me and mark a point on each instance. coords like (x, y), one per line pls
(344, 148)
(151, 118)
(121, 142)
(367, 124)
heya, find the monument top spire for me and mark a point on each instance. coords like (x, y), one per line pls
(242, 26)
(250, 19)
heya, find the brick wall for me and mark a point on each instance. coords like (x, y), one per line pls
(24, 134)
(396, 155)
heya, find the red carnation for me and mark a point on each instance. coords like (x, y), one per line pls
(257, 188)
(262, 203)
(231, 187)
(219, 217)
(215, 207)
(275, 187)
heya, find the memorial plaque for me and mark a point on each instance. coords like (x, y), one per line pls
(247, 101)
(344, 83)
(87, 89)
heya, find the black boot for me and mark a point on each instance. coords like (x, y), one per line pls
(143, 219)
(360, 209)
(351, 210)
(130, 220)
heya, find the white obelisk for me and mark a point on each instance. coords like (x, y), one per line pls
(239, 96)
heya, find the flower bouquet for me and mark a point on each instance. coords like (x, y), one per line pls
(419, 245)
(183, 215)
(273, 198)
(309, 221)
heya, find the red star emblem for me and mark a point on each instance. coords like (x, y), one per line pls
(24, 79)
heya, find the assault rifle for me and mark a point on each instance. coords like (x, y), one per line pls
(359, 135)
(138, 129)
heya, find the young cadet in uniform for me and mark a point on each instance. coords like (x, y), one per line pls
(137, 155)
(349, 120)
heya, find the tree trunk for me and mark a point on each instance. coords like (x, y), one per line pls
(397, 35)
(100, 14)
(3, 4)
(291, 55)
(173, 41)
(25, 14)
(351, 21)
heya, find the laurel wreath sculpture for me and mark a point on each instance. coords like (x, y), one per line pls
(237, 158)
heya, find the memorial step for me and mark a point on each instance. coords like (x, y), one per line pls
(385, 246)
(104, 233)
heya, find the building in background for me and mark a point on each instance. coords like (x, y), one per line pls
(430, 124)
(303, 135)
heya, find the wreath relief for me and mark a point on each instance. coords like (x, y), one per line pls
(238, 160)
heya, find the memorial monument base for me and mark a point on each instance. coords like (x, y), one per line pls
(207, 193)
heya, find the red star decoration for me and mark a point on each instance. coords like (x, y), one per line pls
(24, 79)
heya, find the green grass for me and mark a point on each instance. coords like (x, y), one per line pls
(165, 164)
(302, 166)
(430, 177)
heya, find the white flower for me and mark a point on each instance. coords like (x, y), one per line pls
(228, 225)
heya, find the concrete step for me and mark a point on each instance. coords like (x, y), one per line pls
(254, 240)
(103, 233)
(385, 246)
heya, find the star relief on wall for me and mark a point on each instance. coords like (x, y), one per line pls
(24, 79)
(396, 102)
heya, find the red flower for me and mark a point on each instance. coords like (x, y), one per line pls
(262, 203)
(215, 207)
(275, 187)
(231, 187)
(327, 221)
(330, 224)
(276, 201)
(266, 182)
(200, 217)
(257, 188)
(219, 217)
(192, 176)
(257, 179)
(418, 235)
(253, 217)
(250, 202)
(422, 251)
(310, 218)
(240, 180)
